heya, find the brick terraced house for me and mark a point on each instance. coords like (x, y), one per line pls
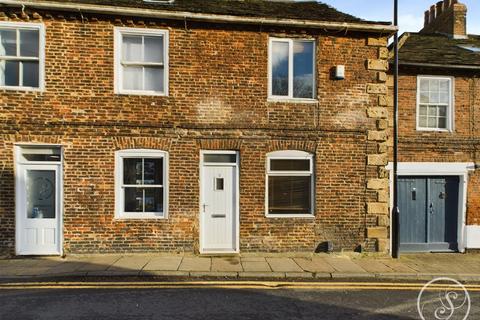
(214, 126)
(439, 144)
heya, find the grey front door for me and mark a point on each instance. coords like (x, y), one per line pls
(428, 213)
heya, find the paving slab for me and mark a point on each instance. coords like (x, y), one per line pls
(195, 264)
(130, 263)
(228, 264)
(373, 266)
(67, 267)
(314, 265)
(256, 266)
(344, 265)
(253, 259)
(397, 266)
(163, 264)
(98, 263)
(283, 265)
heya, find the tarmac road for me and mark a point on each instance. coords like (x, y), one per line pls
(225, 302)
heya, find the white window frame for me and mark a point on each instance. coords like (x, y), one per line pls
(450, 108)
(119, 187)
(291, 155)
(290, 96)
(118, 72)
(41, 54)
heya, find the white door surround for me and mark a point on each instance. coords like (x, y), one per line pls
(38, 200)
(459, 169)
(219, 202)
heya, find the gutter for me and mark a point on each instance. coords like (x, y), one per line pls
(182, 15)
(437, 65)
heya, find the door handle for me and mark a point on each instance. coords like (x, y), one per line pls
(431, 207)
(204, 206)
(414, 194)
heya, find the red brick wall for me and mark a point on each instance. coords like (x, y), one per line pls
(461, 145)
(218, 100)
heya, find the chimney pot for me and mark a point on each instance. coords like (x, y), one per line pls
(439, 8)
(427, 18)
(432, 13)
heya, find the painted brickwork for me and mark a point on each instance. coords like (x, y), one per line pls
(218, 100)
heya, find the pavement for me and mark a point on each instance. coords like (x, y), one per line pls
(464, 267)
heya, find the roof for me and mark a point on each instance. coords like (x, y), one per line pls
(286, 9)
(440, 50)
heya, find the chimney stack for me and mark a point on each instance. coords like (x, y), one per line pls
(446, 17)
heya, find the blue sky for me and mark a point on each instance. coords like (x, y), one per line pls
(411, 12)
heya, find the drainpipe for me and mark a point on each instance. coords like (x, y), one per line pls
(395, 211)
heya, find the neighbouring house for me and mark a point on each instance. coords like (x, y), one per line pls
(199, 126)
(439, 133)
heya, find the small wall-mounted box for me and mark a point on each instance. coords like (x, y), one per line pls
(340, 72)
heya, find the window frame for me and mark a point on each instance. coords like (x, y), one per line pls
(41, 54)
(120, 213)
(291, 155)
(290, 97)
(450, 107)
(118, 70)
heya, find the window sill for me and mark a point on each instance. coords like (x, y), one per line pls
(124, 217)
(141, 93)
(22, 89)
(434, 130)
(302, 216)
(291, 100)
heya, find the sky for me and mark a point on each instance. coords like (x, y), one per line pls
(410, 12)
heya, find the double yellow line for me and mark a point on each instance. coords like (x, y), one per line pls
(255, 285)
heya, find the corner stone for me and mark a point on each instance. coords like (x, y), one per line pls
(379, 65)
(377, 232)
(374, 88)
(377, 135)
(377, 42)
(377, 184)
(377, 207)
(377, 159)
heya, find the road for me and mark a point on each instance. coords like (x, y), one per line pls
(202, 302)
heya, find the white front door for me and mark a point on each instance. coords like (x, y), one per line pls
(38, 209)
(219, 204)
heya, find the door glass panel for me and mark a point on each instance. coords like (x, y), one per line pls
(218, 184)
(220, 158)
(41, 186)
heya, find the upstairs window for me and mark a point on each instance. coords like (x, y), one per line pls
(290, 184)
(292, 69)
(434, 103)
(141, 61)
(141, 184)
(21, 55)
